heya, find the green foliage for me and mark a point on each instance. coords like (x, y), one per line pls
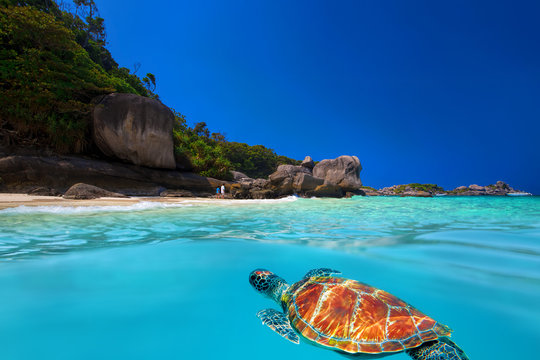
(211, 155)
(255, 161)
(52, 64)
(196, 147)
(150, 82)
(49, 6)
(431, 188)
(47, 80)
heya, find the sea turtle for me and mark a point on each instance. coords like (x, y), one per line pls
(351, 317)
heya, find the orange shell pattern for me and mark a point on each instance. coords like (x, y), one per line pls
(354, 317)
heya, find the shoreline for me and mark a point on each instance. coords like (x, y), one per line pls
(11, 200)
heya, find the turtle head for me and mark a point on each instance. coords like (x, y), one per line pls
(268, 283)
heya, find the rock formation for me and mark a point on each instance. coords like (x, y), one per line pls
(237, 175)
(135, 129)
(308, 163)
(82, 191)
(303, 182)
(282, 180)
(337, 177)
(25, 173)
(176, 193)
(247, 188)
(425, 190)
(343, 171)
(500, 188)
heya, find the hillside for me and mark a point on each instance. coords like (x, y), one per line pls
(54, 63)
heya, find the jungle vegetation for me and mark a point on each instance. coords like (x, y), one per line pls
(54, 62)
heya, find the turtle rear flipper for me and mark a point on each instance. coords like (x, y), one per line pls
(441, 349)
(321, 272)
(278, 322)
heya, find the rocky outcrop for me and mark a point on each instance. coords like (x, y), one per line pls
(326, 190)
(83, 191)
(282, 180)
(308, 163)
(248, 188)
(237, 176)
(24, 173)
(176, 193)
(136, 129)
(303, 182)
(500, 188)
(343, 171)
(427, 190)
(369, 191)
(415, 189)
(416, 193)
(334, 178)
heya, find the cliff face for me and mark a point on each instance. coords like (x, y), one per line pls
(25, 173)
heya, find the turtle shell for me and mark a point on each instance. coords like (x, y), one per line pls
(353, 317)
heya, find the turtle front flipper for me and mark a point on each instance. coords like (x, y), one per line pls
(441, 349)
(278, 322)
(321, 272)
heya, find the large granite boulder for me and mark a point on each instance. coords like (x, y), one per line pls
(237, 175)
(282, 180)
(308, 163)
(343, 171)
(247, 188)
(475, 187)
(135, 129)
(326, 190)
(284, 172)
(305, 182)
(85, 191)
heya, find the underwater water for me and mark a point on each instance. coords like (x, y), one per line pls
(170, 281)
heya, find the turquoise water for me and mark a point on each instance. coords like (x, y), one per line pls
(154, 281)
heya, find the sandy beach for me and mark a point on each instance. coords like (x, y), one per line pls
(14, 200)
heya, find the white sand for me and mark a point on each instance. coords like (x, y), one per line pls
(14, 200)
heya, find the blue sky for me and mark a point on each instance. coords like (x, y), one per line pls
(421, 91)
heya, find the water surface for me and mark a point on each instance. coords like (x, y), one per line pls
(162, 281)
